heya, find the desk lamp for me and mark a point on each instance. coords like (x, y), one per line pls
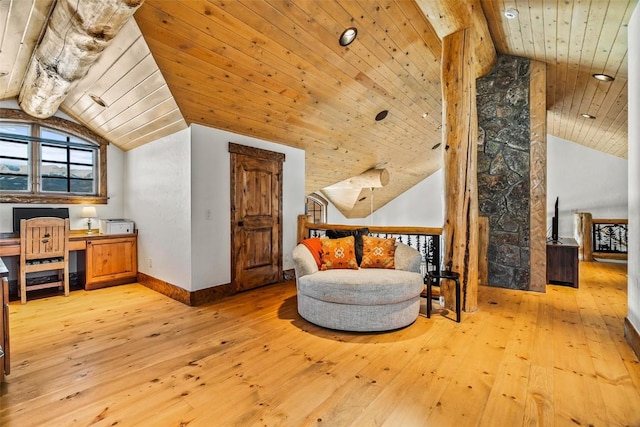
(89, 212)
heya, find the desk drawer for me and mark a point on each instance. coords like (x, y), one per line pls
(77, 245)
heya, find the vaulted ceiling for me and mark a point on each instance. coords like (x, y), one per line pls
(274, 70)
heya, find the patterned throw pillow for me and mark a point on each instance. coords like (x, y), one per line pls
(357, 234)
(338, 253)
(378, 252)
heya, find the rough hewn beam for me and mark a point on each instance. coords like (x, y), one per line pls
(538, 177)
(450, 16)
(460, 134)
(72, 42)
(349, 195)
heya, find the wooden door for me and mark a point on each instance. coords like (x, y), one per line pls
(256, 209)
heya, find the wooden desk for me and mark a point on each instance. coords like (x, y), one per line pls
(110, 259)
(562, 262)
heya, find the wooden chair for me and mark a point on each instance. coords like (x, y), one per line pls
(44, 246)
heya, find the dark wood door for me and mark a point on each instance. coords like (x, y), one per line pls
(256, 210)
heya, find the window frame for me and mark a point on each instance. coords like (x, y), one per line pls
(35, 195)
(320, 201)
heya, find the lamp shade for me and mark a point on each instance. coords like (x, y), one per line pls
(89, 212)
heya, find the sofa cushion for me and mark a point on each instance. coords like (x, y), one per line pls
(357, 234)
(338, 254)
(315, 247)
(362, 287)
(378, 252)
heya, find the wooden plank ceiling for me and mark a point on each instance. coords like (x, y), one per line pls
(274, 70)
(139, 105)
(576, 39)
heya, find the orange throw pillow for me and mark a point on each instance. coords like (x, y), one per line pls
(338, 253)
(378, 252)
(315, 247)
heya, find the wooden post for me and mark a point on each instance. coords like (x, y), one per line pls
(483, 250)
(449, 16)
(583, 224)
(460, 134)
(538, 177)
(302, 229)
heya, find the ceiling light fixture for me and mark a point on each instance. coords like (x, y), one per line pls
(511, 13)
(435, 147)
(98, 100)
(587, 116)
(381, 115)
(3, 73)
(603, 77)
(348, 36)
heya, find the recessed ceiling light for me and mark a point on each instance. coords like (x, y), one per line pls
(511, 13)
(98, 100)
(435, 147)
(3, 73)
(348, 36)
(603, 77)
(587, 116)
(381, 115)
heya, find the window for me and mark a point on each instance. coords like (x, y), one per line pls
(316, 207)
(48, 164)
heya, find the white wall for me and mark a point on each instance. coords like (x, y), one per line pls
(158, 199)
(178, 195)
(585, 180)
(633, 272)
(420, 206)
(211, 202)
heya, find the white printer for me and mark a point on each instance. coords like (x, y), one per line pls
(116, 226)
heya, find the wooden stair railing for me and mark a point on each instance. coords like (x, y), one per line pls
(603, 238)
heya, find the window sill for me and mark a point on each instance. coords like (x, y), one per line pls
(51, 198)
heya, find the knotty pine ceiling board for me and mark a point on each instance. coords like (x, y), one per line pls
(139, 105)
(575, 39)
(274, 70)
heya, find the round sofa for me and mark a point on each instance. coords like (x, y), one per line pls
(363, 300)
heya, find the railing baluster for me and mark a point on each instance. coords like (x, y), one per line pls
(427, 242)
(610, 236)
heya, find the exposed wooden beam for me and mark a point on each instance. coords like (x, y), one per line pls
(76, 35)
(450, 16)
(354, 196)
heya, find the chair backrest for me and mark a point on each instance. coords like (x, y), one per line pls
(44, 237)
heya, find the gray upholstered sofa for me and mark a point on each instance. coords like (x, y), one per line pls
(367, 299)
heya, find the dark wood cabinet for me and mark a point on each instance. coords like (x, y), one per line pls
(562, 262)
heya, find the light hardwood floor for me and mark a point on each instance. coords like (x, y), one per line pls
(128, 356)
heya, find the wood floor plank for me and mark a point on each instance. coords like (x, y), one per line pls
(128, 356)
(508, 396)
